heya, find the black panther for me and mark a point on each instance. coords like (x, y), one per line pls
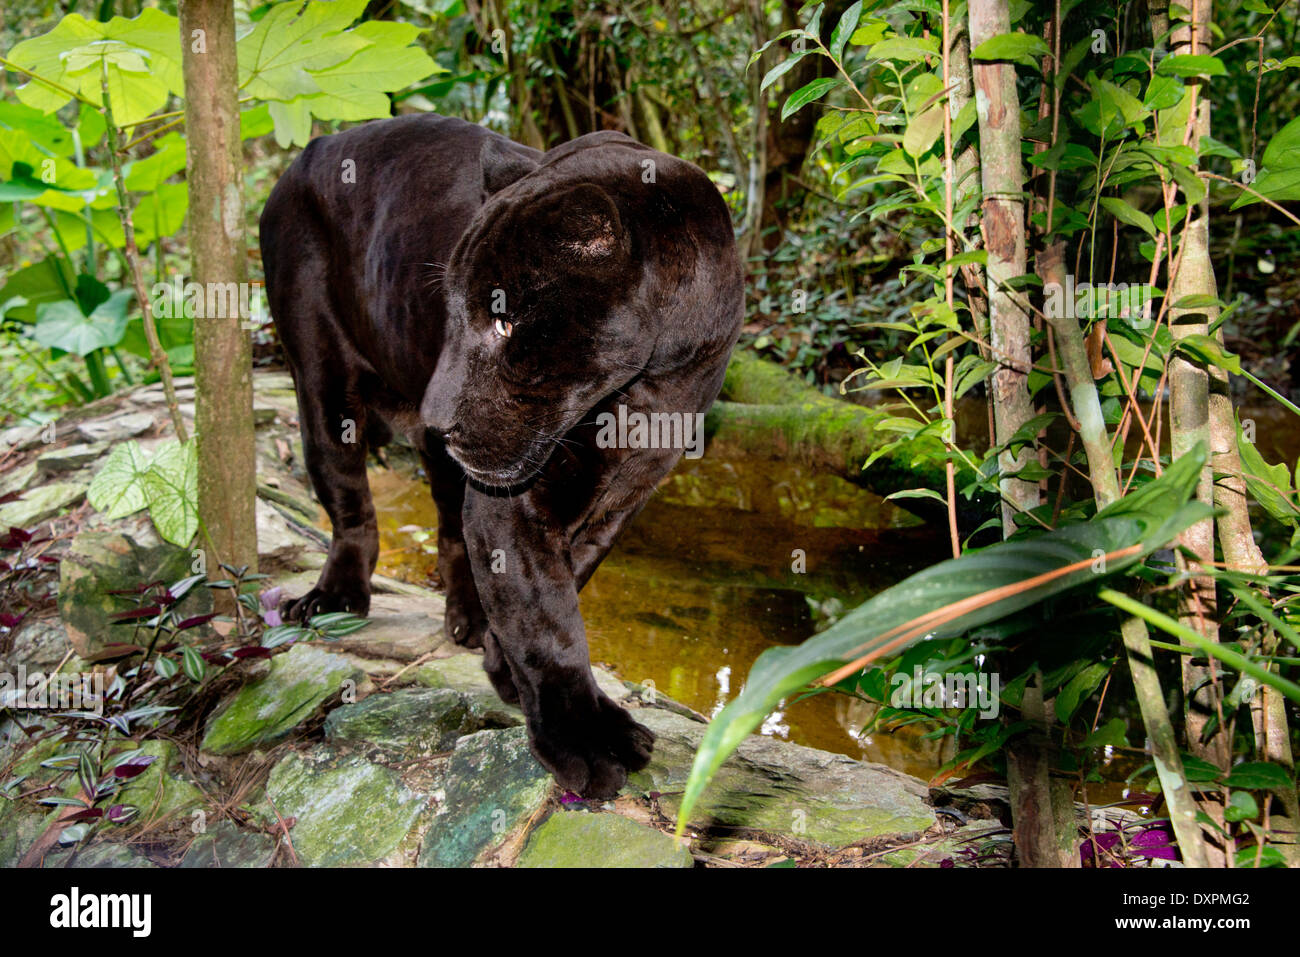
(492, 301)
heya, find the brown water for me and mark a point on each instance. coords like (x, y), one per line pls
(702, 582)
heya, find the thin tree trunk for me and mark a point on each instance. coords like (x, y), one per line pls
(1189, 406)
(1003, 183)
(223, 417)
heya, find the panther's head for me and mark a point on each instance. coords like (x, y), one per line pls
(541, 324)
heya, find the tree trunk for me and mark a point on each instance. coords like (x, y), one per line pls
(1003, 183)
(1192, 273)
(1033, 797)
(223, 415)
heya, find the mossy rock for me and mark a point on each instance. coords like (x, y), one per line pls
(404, 724)
(582, 839)
(99, 563)
(42, 503)
(160, 792)
(464, 673)
(229, 846)
(348, 811)
(492, 784)
(267, 709)
(772, 786)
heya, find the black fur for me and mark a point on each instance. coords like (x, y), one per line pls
(617, 271)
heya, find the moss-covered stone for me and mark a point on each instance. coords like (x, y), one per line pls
(70, 457)
(492, 784)
(42, 503)
(767, 411)
(781, 788)
(100, 563)
(464, 673)
(405, 724)
(160, 792)
(581, 839)
(349, 812)
(229, 846)
(267, 709)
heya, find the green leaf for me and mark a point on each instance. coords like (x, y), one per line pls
(1269, 485)
(142, 57)
(1112, 734)
(1260, 776)
(62, 325)
(276, 55)
(1078, 689)
(193, 665)
(388, 64)
(171, 485)
(116, 489)
(1126, 213)
(924, 130)
(906, 49)
(807, 94)
(1189, 65)
(845, 29)
(780, 70)
(990, 585)
(1018, 47)
(1208, 350)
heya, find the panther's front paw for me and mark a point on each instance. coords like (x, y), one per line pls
(592, 754)
(326, 598)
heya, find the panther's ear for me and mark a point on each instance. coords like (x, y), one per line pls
(582, 226)
(504, 162)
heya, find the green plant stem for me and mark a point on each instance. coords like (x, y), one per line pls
(156, 354)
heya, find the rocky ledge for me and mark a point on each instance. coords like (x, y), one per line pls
(389, 747)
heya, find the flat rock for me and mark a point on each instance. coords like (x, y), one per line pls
(116, 428)
(39, 645)
(103, 854)
(229, 846)
(583, 839)
(401, 627)
(278, 544)
(70, 457)
(406, 724)
(42, 503)
(464, 673)
(492, 785)
(773, 786)
(99, 563)
(17, 479)
(266, 709)
(349, 812)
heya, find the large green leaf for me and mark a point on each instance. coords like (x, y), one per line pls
(274, 56)
(990, 584)
(171, 485)
(62, 325)
(142, 56)
(117, 490)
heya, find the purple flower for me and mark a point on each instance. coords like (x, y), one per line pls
(271, 606)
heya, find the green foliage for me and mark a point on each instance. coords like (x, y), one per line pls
(956, 596)
(166, 484)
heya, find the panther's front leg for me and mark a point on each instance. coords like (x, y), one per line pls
(530, 556)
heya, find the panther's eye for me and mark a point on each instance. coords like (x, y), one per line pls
(503, 328)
